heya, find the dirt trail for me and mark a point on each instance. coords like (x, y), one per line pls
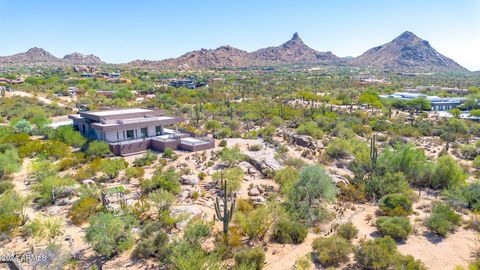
(291, 255)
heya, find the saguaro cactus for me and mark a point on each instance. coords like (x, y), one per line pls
(227, 215)
(373, 153)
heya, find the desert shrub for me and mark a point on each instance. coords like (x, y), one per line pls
(153, 242)
(443, 219)
(255, 147)
(222, 143)
(73, 160)
(67, 135)
(9, 162)
(233, 176)
(252, 257)
(379, 253)
(332, 250)
(230, 156)
(51, 185)
(396, 227)
(353, 192)
(83, 209)
(408, 262)
(289, 232)
(11, 211)
(396, 205)
(381, 185)
(406, 159)
(469, 151)
(476, 162)
(167, 181)
(256, 223)
(168, 153)
(112, 167)
(244, 205)
(6, 186)
(146, 160)
(286, 178)
(49, 148)
(447, 173)
(339, 148)
(97, 149)
(311, 129)
(314, 185)
(108, 234)
(134, 172)
(347, 230)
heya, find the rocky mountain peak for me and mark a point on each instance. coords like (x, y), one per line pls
(38, 52)
(79, 58)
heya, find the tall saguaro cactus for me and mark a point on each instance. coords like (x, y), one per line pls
(373, 153)
(227, 215)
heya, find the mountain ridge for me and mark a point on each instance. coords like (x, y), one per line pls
(405, 53)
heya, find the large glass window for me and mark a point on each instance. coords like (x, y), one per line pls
(159, 130)
(130, 134)
(144, 132)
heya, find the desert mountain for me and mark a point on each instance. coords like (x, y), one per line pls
(33, 55)
(78, 58)
(407, 53)
(224, 56)
(39, 56)
(294, 51)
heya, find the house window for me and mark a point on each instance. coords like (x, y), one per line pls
(144, 132)
(130, 134)
(159, 130)
(83, 128)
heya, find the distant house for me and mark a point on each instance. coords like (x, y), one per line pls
(129, 131)
(437, 103)
(188, 83)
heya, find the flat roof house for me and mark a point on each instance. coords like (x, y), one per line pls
(135, 130)
(437, 103)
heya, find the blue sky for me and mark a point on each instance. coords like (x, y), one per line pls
(121, 31)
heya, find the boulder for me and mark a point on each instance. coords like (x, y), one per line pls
(254, 192)
(190, 179)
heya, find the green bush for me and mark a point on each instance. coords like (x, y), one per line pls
(289, 232)
(332, 250)
(168, 153)
(448, 173)
(347, 230)
(109, 234)
(145, 160)
(252, 257)
(396, 205)
(339, 148)
(443, 219)
(98, 149)
(167, 181)
(51, 184)
(83, 209)
(5, 186)
(396, 227)
(376, 254)
(134, 172)
(381, 185)
(311, 129)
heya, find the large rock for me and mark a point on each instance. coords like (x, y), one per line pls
(254, 192)
(264, 160)
(190, 179)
